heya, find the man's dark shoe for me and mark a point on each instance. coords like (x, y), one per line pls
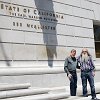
(85, 95)
(95, 99)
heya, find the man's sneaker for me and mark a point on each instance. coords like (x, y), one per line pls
(95, 99)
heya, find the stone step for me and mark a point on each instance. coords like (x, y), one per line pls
(61, 96)
(41, 97)
(97, 88)
(61, 89)
(23, 92)
(56, 93)
(6, 87)
(29, 71)
(80, 97)
(77, 98)
(72, 98)
(33, 71)
(79, 89)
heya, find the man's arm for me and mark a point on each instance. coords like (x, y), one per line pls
(92, 64)
(66, 70)
(78, 62)
(66, 66)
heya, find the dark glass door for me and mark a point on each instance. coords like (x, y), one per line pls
(97, 40)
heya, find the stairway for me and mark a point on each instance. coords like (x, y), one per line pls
(26, 92)
(19, 90)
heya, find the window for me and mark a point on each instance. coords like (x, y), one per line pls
(97, 40)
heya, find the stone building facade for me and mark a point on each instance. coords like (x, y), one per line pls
(41, 33)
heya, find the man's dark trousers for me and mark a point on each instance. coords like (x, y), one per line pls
(73, 83)
(87, 75)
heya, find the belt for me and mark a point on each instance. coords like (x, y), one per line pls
(87, 70)
(72, 71)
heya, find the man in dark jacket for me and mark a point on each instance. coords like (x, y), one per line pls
(70, 68)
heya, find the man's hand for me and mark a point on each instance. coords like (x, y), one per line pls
(93, 73)
(69, 76)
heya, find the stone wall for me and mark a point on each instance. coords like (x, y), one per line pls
(46, 30)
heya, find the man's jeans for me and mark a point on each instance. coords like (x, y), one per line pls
(87, 75)
(73, 83)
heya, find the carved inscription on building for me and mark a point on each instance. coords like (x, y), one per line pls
(30, 13)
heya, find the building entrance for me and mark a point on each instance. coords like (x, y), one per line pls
(97, 40)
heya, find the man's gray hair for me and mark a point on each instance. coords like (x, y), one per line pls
(86, 51)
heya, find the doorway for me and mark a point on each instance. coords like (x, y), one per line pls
(97, 40)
